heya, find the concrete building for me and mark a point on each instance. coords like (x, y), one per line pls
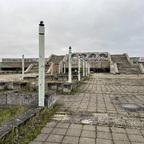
(99, 62)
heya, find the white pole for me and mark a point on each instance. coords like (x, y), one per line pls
(51, 68)
(83, 68)
(78, 68)
(64, 69)
(59, 68)
(22, 67)
(69, 67)
(89, 68)
(41, 64)
(86, 68)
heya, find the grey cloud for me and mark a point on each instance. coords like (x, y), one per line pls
(116, 26)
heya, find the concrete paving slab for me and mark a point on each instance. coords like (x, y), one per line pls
(95, 113)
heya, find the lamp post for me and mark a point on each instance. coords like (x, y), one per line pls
(59, 68)
(83, 68)
(22, 67)
(69, 67)
(79, 68)
(86, 68)
(64, 68)
(51, 68)
(41, 64)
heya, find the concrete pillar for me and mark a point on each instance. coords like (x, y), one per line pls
(69, 67)
(22, 67)
(41, 64)
(83, 68)
(79, 68)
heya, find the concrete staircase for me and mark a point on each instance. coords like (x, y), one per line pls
(124, 65)
(53, 58)
(56, 59)
(35, 68)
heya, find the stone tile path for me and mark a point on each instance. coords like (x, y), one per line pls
(94, 115)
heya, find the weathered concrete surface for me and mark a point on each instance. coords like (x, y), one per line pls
(94, 115)
(18, 98)
(26, 98)
(7, 127)
(13, 77)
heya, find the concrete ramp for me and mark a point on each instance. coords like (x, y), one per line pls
(124, 65)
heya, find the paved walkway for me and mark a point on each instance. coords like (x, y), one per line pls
(95, 115)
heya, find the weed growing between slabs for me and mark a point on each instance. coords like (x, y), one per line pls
(10, 112)
(75, 90)
(29, 131)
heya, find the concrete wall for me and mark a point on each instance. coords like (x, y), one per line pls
(18, 98)
(26, 98)
(100, 64)
(14, 64)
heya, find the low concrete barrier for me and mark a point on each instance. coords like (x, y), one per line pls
(50, 99)
(7, 127)
(26, 98)
(6, 86)
(60, 86)
(68, 87)
(18, 98)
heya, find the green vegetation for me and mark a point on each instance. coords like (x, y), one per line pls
(88, 77)
(10, 112)
(3, 90)
(29, 131)
(29, 89)
(75, 90)
(32, 89)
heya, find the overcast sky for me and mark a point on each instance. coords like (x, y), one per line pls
(114, 26)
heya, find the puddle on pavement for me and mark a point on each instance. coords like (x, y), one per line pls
(130, 106)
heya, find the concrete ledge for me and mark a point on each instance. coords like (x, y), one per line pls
(18, 98)
(50, 99)
(31, 78)
(29, 99)
(68, 87)
(62, 86)
(6, 85)
(7, 127)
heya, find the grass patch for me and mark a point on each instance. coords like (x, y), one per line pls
(4, 90)
(77, 88)
(29, 131)
(29, 89)
(88, 77)
(10, 112)
(32, 89)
